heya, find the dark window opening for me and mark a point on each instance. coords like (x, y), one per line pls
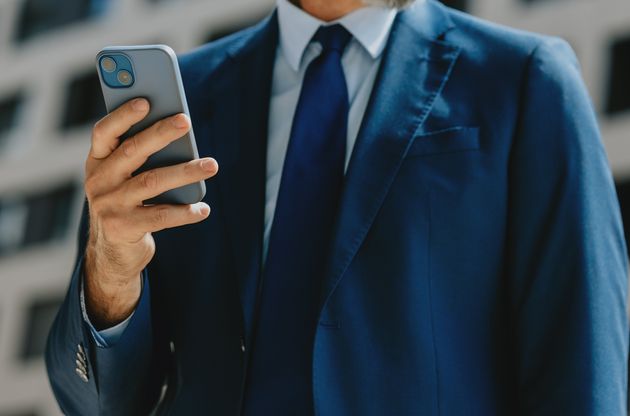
(13, 214)
(40, 16)
(623, 192)
(619, 77)
(9, 114)
(457, 4)
(84, 101)
(20, 413)
(48, 215)
(35, 219)
(40, 316)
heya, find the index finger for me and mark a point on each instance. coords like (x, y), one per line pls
(107, 131)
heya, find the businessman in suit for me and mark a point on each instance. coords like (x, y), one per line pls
(414, 216)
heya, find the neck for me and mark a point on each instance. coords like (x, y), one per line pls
(328, 10)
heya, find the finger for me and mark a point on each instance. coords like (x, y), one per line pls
(160, 217)
(133, 152)
(157, 181)
(107, 131)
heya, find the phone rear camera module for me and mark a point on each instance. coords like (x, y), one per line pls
(125, 77)
(108, 64)
(116, 70)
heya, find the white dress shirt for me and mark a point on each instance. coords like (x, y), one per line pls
(370, 27)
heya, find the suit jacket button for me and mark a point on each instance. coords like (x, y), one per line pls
(82, 374)
(81, 359)
(242, 344)
(81, 365)
(81, 353)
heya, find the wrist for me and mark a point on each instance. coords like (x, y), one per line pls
(109, 298)
(107, 306)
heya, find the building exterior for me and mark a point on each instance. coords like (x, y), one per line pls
(49, 97)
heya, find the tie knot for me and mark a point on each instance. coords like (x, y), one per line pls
(334, 37)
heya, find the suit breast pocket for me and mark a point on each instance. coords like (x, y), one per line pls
(451, 140)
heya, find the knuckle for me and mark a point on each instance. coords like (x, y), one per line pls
(149, 180)
(98, 131)
(129, 147)
(162, 127)
(149, 248)
(161, 216)
(190, 169)
(90, 185)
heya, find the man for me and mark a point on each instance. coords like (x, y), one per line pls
(414, 216)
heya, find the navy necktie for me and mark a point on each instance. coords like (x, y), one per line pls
(280, 374)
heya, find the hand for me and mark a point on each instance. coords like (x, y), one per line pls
(120, 243)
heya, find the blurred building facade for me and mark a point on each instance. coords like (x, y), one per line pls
(49, 97)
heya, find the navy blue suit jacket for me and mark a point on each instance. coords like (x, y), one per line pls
(478, 267)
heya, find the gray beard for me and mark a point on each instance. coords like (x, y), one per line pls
(389, 3)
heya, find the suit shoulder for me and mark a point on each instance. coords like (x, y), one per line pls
(208, 58)
(493, 41)
(537, 75)
(514, 57)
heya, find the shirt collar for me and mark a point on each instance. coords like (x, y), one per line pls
(370, 26)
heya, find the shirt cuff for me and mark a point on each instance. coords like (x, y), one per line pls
(106, 337)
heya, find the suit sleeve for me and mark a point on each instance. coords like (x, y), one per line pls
(118, 380)
(567, 262)
(105, 337)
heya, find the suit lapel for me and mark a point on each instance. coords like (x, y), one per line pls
(413, 72)
(415, 68)
(239, 134)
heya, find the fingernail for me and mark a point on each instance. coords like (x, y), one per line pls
(180, 121)
(204, 210)
(140, 104)
(208, 165)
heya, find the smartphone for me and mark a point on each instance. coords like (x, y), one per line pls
(151, 72)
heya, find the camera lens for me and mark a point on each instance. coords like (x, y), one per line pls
(125, 77)
(108, 64)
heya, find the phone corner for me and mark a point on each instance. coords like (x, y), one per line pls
(201, 191)
(103, 51)
(167, 50)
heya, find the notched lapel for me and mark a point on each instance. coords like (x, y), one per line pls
(413, 73)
